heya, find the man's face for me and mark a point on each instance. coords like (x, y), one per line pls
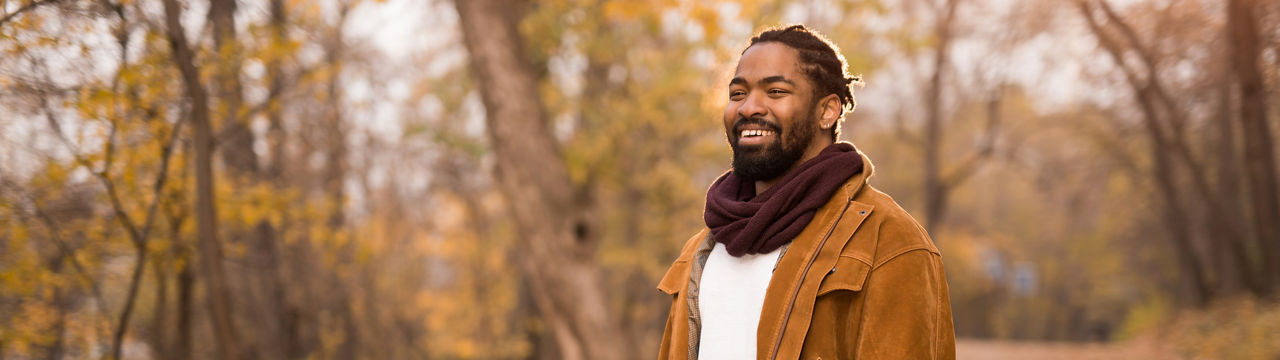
(769, 118)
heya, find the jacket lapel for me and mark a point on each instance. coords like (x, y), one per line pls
(788, 303)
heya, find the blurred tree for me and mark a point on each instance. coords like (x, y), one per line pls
(565, 279)
(1259, 151)
(1165, 123)
(219, 301)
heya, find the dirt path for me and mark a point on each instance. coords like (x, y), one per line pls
(1001, 350)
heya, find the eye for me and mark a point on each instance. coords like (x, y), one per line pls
(776, 91)
(736, 94)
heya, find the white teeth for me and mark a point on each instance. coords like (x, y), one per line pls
(752, 133)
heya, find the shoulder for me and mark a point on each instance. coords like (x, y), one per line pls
(678, 274)
(894, 231)
(691, 245)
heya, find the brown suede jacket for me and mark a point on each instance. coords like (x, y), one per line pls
(862, 281)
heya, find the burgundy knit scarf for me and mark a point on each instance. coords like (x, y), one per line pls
(747, 223)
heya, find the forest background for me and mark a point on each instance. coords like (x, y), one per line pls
(487, 179)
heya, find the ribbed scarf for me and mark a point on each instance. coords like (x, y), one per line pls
(747, 223)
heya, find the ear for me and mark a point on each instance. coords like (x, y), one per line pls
(828, 111)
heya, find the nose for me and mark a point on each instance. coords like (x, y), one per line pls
(751, 106)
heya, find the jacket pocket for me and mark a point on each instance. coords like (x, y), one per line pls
(673, 282)
(849, 274)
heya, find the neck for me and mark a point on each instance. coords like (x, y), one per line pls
(815, 147)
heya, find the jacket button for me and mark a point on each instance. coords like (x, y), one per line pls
(863, 212)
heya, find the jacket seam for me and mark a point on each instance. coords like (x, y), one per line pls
(937, 307)
(937, 311)
(862, 323)
(861, 260)
(830, 228)
(900, 253)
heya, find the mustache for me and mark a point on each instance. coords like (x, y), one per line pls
(744, 121)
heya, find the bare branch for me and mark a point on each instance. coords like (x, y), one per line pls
(67, 252)
(118, 208)
(263, 105)
(974, 161)
(1175, 115)
(25, 8)
(139, 236)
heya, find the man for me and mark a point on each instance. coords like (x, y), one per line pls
(801, 258)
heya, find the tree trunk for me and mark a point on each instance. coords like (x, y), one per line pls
(334, 176)
(1176, 217)
(186, 298)
(276, 338)
(275, 113)
(219, 298)
(1179, 229)
(131, 295)
(565, 281)
(288, 311)
(334, 127)
(935, 189)
(160, 321)
(1229, 279)
(1259, 156)
(235, 138)
(63, 304)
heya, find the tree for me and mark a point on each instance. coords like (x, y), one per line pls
(206, 214)
(1259, 156)
(940, 179)
(1165, 121)
(565, 280)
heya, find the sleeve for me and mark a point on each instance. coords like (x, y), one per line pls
(907, 311)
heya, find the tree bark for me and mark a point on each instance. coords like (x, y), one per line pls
(565, 281)
(218, 291)
(160, 321)
(935, 190)
(126, 314)
(235, 139)
(1259, 156)
(56, 350)
(1228, 280)
(288, 312)
(275, 113)
(186, 300)
(334, 177)
(1176, 215)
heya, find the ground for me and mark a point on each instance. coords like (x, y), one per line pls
(999, 350)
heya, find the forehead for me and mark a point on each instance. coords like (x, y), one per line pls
(768, 59)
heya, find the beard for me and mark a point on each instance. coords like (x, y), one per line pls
(771, 160)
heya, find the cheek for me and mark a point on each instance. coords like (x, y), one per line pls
(730, 115)
(795, 122)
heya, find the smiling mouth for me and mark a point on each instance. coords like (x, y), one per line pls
(755, 133)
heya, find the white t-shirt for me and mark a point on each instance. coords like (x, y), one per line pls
(731, 294)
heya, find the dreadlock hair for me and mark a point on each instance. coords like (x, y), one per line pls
(821, 61)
